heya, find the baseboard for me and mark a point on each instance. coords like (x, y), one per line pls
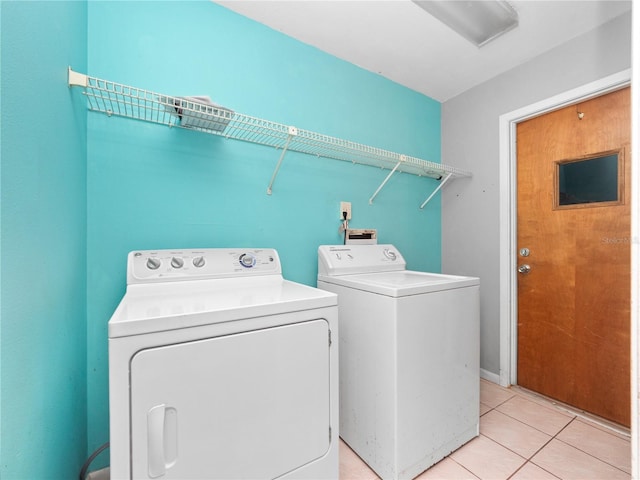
(492, 377)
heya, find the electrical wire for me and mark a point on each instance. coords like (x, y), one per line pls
(344, 227)
(85, 467)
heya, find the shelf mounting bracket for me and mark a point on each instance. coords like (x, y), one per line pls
(293, 131)
(76, 79)
(375, 194)
(446, 179)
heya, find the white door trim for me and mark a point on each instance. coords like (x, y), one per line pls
(507, 138)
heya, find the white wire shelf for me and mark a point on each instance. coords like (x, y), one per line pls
(183, 112)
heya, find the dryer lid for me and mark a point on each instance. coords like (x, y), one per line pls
(156, 307)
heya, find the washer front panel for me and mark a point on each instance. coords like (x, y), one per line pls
(409, 376)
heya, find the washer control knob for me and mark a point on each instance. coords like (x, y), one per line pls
(247, 260)
(390, 254)
(177, 262)
(198, 262)
(153, 263)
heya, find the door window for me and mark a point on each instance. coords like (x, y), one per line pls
(593, 181)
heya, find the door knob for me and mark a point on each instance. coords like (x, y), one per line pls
(524, 268)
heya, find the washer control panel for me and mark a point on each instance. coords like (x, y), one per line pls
(149, 266)
(352, 259)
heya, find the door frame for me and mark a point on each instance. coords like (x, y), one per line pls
(507, 181)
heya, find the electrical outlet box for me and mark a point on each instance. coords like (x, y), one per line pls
(345, 207)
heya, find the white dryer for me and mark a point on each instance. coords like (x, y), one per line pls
(219, 368)
(409, 358)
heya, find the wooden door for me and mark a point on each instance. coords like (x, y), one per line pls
(574, 299)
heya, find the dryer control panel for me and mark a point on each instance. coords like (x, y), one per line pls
(151, 266)
(352, 259)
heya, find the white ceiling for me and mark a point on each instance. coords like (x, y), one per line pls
(402, 42)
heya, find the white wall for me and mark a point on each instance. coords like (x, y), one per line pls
(471, 207)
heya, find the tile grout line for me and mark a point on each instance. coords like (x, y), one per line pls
(528, 460)
(501, 403)
(574, 417)
(459, 464)
(603, 424)
(591, 455)
(555, 437)
(479, 434)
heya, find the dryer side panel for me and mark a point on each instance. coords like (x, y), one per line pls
(246, 405)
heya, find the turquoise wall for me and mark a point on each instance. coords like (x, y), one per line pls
(43, 237)
(79, 191)
(150, 186)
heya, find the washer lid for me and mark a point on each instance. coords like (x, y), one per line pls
(149, 308)
(401, 283)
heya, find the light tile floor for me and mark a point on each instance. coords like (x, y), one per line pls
(524, 437)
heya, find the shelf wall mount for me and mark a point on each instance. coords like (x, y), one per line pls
(115, 99)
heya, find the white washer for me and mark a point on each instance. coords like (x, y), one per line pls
(409, 358)
(220, 368)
